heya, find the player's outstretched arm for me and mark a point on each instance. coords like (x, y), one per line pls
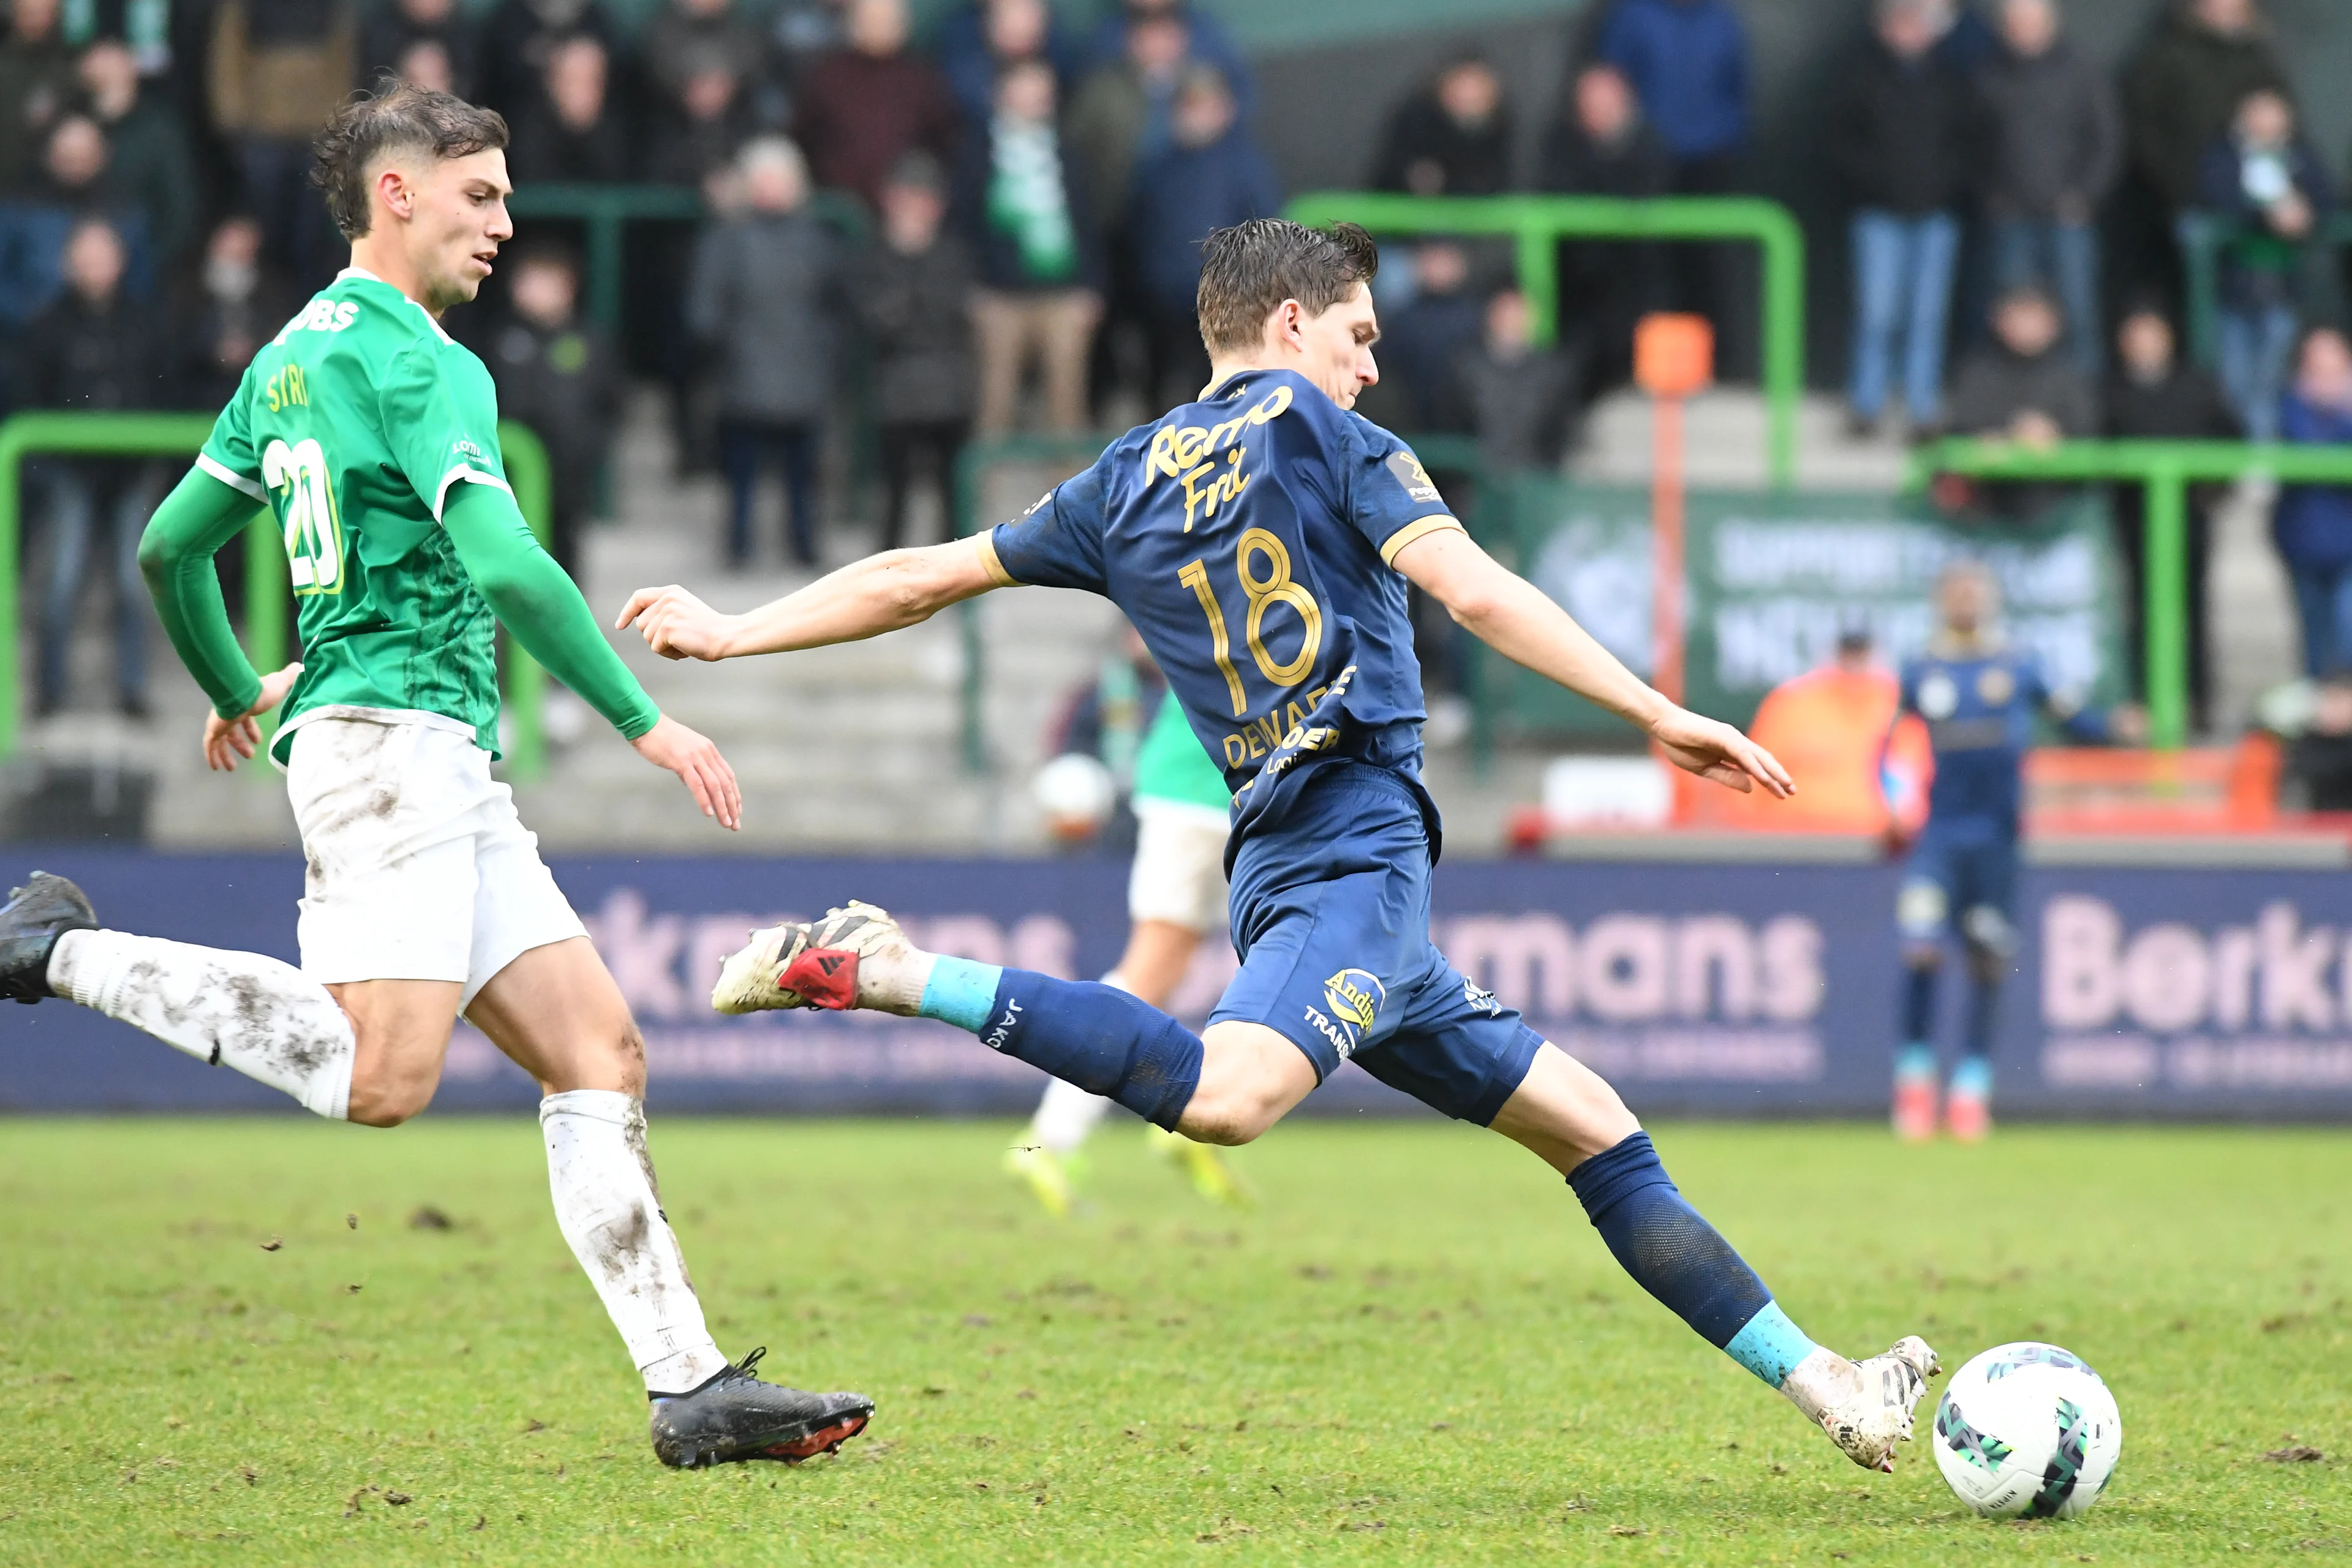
(541, 607)
(1515, 618)
(880, 594)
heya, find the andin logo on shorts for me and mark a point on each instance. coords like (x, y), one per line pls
(1355, 996)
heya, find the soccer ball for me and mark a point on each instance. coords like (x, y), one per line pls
(2027, 1430)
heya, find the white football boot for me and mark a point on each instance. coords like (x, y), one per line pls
(1864, 1407)
(854, 957)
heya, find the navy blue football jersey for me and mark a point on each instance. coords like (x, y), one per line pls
(1980, 705)
(1249, 538)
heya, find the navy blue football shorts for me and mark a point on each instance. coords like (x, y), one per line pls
(1330, 916)
(1961, 874)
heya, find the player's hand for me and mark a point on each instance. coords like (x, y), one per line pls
(2128, 724)
(670, 744)
(676, 624)
(229, 742)
(1715, 750)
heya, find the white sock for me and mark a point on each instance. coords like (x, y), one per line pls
(609, 1208)
(267, 1019)
(1066, 1113)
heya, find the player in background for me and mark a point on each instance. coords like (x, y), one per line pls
(1175, 897)
(1261, 540)
(1978, 697)
(374, 439)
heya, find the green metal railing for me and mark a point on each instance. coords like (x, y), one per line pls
(2202, 238)
(1074, 452)
(267, 587)
(606, 211)
(2166, 468)
(1537, 224)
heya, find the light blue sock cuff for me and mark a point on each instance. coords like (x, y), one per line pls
(1770, 1346)
(1916, 1060)
(1973, 1076)
(961, 993)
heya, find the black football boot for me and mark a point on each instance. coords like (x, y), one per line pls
(36, 915)
(734, 1417)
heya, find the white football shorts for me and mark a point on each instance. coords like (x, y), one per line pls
(418, 867)
(1178, 874)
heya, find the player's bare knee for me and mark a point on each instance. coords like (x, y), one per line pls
(387, 1099)
(1925, 957)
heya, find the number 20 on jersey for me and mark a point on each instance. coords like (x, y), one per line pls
(314, 531)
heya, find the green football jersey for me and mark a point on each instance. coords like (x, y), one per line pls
(1171, 763)
(352, 423)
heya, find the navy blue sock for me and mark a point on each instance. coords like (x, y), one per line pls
(1101, 1039)
(1677, 1256)
(1918, 1006)
(1984, 1008)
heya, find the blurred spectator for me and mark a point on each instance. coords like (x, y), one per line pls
(701, 65)
(2022, 388)
(2313, 524)
(2265, 176)
(95, 350)
(1040, 275)
(1521, 395)
(1687, 60)
(912, 292)
(805, 31)
(863, 108)
(520, 37)
(36, 84)
(1210, 43)
(70, 183)
(236, 308)
(1836, 729)
(1122, 113)
(2154, 396)
(279, 68)
(428, 42)
(1898, 137)
(2321, 758)
(1119, 119)
(979, 38)
(571, 129)
(1423, 341)
(762, 300)
(1452, 138)
(2053, 144)
(2185, 86)
(147, 164)
(1600, 146)
(1211, 176)
(1965, 42)
(556, 375)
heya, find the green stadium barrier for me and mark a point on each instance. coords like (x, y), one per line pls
(2202, 235)
(267, 589)
(1442, 454)
(606, 211)
(2166, 468)
(1537, 225)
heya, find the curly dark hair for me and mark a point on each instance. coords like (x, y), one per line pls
(1249, 269)
(395, 117)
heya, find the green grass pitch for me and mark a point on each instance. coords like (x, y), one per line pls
(1416, 1351)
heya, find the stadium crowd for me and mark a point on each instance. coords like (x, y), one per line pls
(1017, 198)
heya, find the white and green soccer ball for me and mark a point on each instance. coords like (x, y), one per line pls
(2027, 1430)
